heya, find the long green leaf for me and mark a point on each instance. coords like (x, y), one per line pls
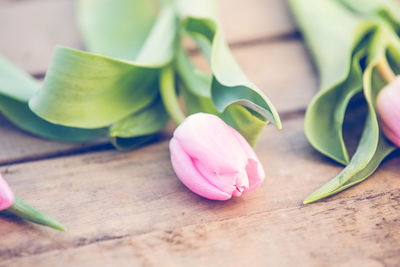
(196, 90)
(227, 93)
(325, 114)
(373, 146)
(338, 65)
(229, 85)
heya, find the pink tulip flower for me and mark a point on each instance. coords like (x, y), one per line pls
(388, 105)
(213, 160)
(6, 195)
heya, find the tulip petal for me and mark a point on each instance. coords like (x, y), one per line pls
(6, 195)
(223, 182)
(254, 169)
(189, 175)
(208, 139)
(388, 105)
(392, 135)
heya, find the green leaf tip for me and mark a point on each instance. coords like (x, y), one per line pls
(314, 197)
(26, 212)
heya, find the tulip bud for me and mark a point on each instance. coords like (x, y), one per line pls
(6, 195)
(388, 105)
(212, 159)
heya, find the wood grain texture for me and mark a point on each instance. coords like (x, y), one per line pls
(135, 196)
(360, 230)
(30, 29)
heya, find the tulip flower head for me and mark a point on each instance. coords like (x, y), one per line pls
(6, 195)
(214, 160)
(388, 105)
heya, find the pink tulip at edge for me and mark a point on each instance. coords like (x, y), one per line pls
(213, 160)
(388, 105)
(6, 195)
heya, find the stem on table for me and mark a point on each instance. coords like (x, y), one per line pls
(168, 95)
(385, 70)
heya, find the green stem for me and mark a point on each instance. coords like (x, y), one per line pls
(385, 70)
(26, 212)
(168, 95)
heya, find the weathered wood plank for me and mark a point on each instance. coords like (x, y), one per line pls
(361, 230)
(30, 29)
(281, 69)
(110, 195)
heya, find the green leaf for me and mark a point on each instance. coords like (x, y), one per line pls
(20, 114)
(26, 212)
(15, 83)
(393, 55)
(169, 96)
(227, 93)
(195, 87)
(323, 21)
(90, 91)
(140, 127)
(373, 146)
(16, 87)
(365, 33)
(356, 172)
(229, 85)
(325, 114)
(87, 90)
(339, 69)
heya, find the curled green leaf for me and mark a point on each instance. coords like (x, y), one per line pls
(373, 146)
(366, 33)
(91, 91)
(16, 87)
(227, 92)
(229, 84)
(339, 69)
(196, 90)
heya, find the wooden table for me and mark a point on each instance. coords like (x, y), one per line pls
(129, 208)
